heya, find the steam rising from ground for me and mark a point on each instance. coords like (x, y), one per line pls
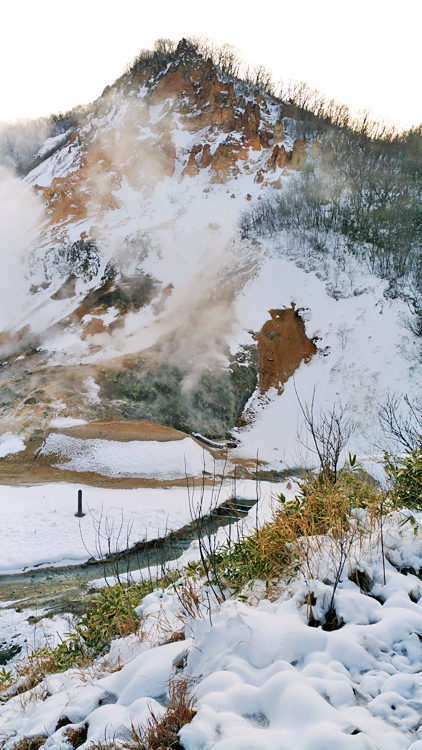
(20, 215)
(119, 184)
(129, 159)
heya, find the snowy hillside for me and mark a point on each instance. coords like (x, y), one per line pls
(136, 297)
(205, 290)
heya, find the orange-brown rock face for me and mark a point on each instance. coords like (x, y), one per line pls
(206, 157)
(172, 86)
(63, 201)
(278, 134)
(282, 345)
(298, 157)
(249, 120)
(278, 158)
(68, 198)
(141, 149)
(192, 167)
(224, 160)
(94, 326)
(166, 155)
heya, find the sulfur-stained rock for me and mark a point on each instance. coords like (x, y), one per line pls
(63, 200)
(249, 121)
(278, 157)
(278, 134)
(282, 345)
(224, 160)
(192, 167)
(264, 138)
(169, 86)
(206, 157)
(94, 326)
(298, 157)
(166, 155)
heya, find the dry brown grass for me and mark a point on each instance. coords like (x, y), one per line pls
(188, 596)
(161, 732)
(29, 673)
(76, 736)
(32, 670)
(30, 743)
(314, 534)
(328, 522)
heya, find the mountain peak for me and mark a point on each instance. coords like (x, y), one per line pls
(186, 49)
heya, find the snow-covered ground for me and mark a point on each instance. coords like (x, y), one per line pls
(173, 459)
(364, 353)
(39, 527)
(10, 443)
(261, 678)
(25, 630)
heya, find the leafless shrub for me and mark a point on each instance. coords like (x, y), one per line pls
(314, 104)
(112, 544)
(206, 537)
(189, 598)
(401, 420)
(165, 47)
(260, 77)
(329, 433)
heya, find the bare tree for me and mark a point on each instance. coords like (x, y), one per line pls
(329, 433)
(402, 423)
(229, 60)
(164, 47)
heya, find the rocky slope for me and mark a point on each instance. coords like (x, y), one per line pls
(141, 299)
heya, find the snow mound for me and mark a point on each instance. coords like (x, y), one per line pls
(150, 459)
(10, 443)
(66, 422)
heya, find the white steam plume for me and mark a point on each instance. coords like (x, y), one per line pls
(20, 215)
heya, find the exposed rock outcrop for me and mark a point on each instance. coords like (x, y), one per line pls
(298, 157)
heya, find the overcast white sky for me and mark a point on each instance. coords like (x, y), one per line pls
(366, 53)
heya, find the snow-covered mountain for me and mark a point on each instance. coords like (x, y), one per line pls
(129, 290)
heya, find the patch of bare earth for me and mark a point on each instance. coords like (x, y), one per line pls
(124, 432)
(282, 345)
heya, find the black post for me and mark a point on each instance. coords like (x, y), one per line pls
(79, 514)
